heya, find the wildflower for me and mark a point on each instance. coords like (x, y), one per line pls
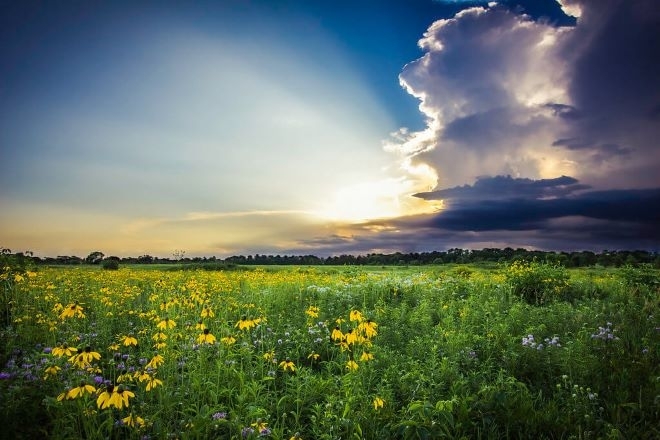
(84, 358)
(129, 340)
(156, 361)
(296, 436)
(64, 350)
(368, 328)
(117, 397)
(355, 315)
(80, 391)
(351, 337)
(247, 431)
(378, 403)
(166, 323)
(228, 340)
(269, 355)
(312, 312)
(336, 334)
(207, 313)
(133, 421)
(219, 415)
(113, 347)
(288, 365)
(206, 338)
(314, 356)
(72, 311)
(246, 323)
(366, 356)
(200, 325)
(352, 365)
(152, 383)
(51, 371)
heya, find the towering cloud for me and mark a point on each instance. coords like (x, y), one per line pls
(504, 94)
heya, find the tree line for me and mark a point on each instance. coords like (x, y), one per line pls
(605, 258)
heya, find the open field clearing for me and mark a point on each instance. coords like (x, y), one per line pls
(520, 351)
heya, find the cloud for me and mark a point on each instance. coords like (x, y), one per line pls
(504, 93)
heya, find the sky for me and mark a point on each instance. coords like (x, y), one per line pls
(310, 127)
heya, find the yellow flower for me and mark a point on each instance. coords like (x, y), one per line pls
(133, 421)
(72, 311)
(228, 340)
(117, 397)
(160, 336)
(366, 356)
(206, 338)
(156, 361)
(84, 358)
(207, 313)
(64, 350)
(355, 315)
(200, 325)
(352, 365)
(166, 323)
(80, 391)
(129, 340)
(288, 365)
(160, 345)
(312, 312)
(113, 347)
(368, 328)
(351, 337)
(378, 403)
(269, 355)
(51, 371)
(246, 323)
(296, 436)
(314, 356)
(336, 334)
(152, 383)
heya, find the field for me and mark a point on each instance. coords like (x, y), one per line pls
(524, 350)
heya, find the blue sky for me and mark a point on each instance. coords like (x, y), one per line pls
(299, 126)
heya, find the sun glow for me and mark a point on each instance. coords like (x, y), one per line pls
(383, 199)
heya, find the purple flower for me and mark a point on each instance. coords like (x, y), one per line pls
(48, 350)
(98, 380)
(264, 432)
(247, 431)
(4, 375)
(220, 415)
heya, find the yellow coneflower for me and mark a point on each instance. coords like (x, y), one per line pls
(133, 421)
(80, 391)
(351, 337)
(366, 356)
(207, 312)
(129, 340)
(113, 347)
(352, 365)
(228, 340)
(296, 436)
(84, 358)
(160, 345)
(51, 371)
(368, 328)
(288, 365)
(246, 324)
(378, 403)
(314, 356)
(200, 325)
(206, 337)
(64, 350)
(312, 312)
(156, 361)
(356, 315)
(74, 310)
(166, 323)
(269, 355)
(112, 396)
(336, 334)
(152, 383)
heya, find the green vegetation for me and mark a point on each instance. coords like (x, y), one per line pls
(523, 350)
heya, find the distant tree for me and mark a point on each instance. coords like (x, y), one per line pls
(94, 258)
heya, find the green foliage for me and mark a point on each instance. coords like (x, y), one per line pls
(110, 264)
(537, 283)
(455, 356)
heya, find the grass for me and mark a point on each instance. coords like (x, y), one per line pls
(520, 351)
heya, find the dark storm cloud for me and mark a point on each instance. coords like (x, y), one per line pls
(506, 187)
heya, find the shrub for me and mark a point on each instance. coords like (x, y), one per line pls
(537, 283)
(110, 264)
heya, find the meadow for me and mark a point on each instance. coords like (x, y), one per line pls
(523, 350)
